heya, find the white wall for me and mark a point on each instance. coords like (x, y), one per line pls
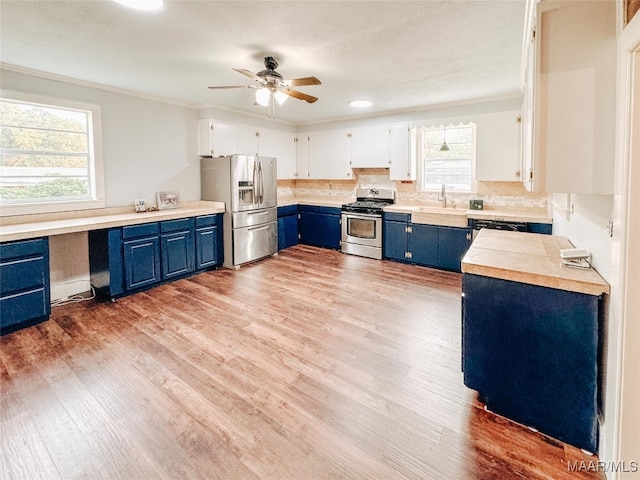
(148, 146)
(587, 228)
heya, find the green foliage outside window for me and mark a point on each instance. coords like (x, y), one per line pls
(44, 153)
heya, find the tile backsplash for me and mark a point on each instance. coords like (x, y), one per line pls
(494, 194)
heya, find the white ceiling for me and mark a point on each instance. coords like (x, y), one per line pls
(399, 54)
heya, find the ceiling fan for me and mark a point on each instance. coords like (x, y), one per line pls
(270, 84)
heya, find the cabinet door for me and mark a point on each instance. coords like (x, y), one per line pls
(369, 147)
(207, 247)
(302, 157)
(329, 155)
(402, 148)
(395, 240)
(498, 147)
(287, 231)
(247, 140)
(282, 146)
(24, 283)
(423, 244)
(453, 243)
(177, 254)
(319, 229)
(216, 139)
(142, 262)
(574, 113)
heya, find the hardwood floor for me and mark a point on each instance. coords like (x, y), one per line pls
(308, 365)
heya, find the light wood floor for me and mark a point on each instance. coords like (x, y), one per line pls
(308, 365)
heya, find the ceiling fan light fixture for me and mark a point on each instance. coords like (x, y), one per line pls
(361, 103)
(280, 97)
(262, 97)
(141, 4)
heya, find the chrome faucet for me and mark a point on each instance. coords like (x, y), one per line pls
(443, 197)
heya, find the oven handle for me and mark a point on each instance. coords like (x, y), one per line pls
(364, 216)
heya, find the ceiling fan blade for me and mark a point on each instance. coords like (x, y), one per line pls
(299, 82)
(249, 74)
(232, 86)
(299, 95)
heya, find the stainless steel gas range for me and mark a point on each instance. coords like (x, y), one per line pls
(362, 222)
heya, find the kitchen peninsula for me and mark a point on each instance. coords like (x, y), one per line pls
(530, 334)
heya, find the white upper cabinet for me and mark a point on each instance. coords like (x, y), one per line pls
(402, 152)
(329, 155)
(302, 156)
(369, 146)
(216, 139)
(498, 147)
(282, 146)
(247, 140)
(574, 98)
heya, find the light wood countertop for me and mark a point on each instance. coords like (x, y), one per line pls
(318, 201)
(48, 225)
(513, 214)
(529, 258)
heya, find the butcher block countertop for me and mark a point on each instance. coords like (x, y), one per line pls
(317, 201)
(46, 225)
(512, 214)
(529, 258)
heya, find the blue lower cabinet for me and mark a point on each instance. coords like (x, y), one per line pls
(319, 226)
(287, 226)
(176, 247)
(544, 228)
(453, 243)
(24, 284)
(287, 231)
(209, 241)
(128, 259)
(141, 262)
(531, 352)
(395, 239)
(423, 244)
(426, 245)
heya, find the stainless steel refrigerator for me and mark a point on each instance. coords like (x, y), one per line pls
(247, 184)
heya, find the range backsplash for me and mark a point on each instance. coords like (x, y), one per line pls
(494, 194)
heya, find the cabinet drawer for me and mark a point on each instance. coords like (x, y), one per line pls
(287, 210)
(23, 248)
(207, 220)
(318, 209)
(24, 306)
(178, 225)
(144, 230)
(22, 274)
(397, 217)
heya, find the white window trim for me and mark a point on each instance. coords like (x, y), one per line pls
(97, 175)
(473, 187)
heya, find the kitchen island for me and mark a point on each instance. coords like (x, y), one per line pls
(530, 334)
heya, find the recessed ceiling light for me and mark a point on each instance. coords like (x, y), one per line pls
(360, 103)
(141, 4)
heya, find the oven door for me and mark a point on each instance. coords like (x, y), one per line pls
(362, 229)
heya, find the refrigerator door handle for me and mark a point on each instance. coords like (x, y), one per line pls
(256, 188)
(261, 182)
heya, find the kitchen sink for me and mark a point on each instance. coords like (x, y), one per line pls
(446, 217)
